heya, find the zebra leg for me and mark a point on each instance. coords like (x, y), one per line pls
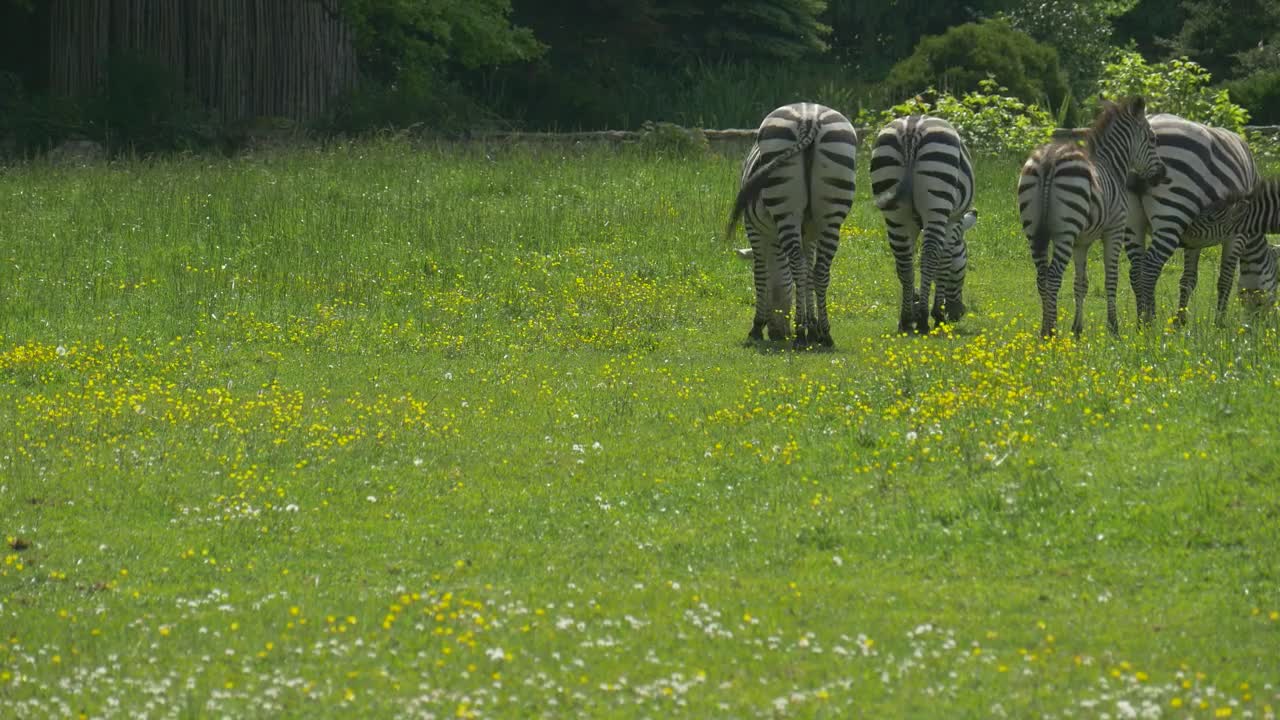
(1187, 285)
(779, 301)
(1258, 279)
(955, 279)
(760, 278)
(902, 240)
(789, 234)
(1081, 286)
(1163, 243)
(830, 242)
(1111, 246)
(1227, 275)
(1048, 281)
(935, 240)
(938, 313)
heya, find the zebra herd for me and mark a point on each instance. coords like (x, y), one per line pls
(1188, 185)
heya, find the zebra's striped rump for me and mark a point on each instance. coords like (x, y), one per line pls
(797, 188)
(922, 179)
(1069, 196)
(1058, 202)
(1207, 167)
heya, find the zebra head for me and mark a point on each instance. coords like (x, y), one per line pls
(1122, 139)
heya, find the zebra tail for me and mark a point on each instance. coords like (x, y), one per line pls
(1041, 235)
(894, 196)
(754, 184)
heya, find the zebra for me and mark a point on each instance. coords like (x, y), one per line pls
(797, 188)
(922, 178)
(1069, 196)
(1206, 167)
(1241, 222)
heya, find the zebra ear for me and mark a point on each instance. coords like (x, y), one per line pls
(1138, 105)
(969, 220)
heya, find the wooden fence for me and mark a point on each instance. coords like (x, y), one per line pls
(240, 58)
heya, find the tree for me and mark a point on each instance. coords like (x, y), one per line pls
(398, 36)
(1080, 30)
(875, 35)
(1216, 32)
(962, 57)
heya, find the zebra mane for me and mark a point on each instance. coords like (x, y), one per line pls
(1109, 114)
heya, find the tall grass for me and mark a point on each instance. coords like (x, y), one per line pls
(409, 431)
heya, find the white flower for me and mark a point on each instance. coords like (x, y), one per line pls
(911, 436)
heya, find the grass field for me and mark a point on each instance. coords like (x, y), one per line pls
(400, 432)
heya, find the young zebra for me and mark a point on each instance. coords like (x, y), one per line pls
(921, 177)
(797, 188)
(1242, 222)
(1069, 196)
(1206, 167)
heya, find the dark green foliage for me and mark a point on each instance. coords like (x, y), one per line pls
(1080, 30)
(394, 36)
(418, 99)
(779, 29)
(1148, 25)
(1217, 31)
(872, 36)
(32, 124)
(959, 59)
(1260, 95)
(669, 140)
(143, 107)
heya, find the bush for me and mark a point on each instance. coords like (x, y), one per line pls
(31, 125)
(144, 107)
(989, 121)
(1179, 86)
(1259, 94)
(670, 140)
(961, 58)
(417, 100)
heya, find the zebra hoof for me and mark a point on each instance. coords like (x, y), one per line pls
(955, 311)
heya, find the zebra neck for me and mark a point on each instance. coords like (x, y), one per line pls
(1108, 165)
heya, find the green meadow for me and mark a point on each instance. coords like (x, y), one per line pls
(386, 430)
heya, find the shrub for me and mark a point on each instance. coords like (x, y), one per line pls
(1178, 86)
(1259, 93)
(989, 121)
(670, 140)
(144, 107)
(961, 58)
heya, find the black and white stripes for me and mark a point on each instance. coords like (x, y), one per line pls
(922, 178)
(1069, 195)
(797, 187)
(1207, 166)
(1242, 223)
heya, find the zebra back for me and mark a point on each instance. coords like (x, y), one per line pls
(920, 144)
(787, 132)
(1056, 189)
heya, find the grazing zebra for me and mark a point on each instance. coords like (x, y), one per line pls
(922, 178)
(1207, 166)
(1242, 222)
(797, 188)
(1069, 196)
